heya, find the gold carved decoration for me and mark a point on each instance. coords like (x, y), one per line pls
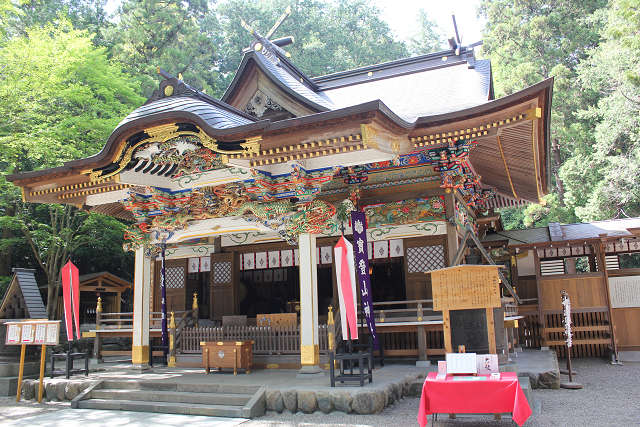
(163, 133)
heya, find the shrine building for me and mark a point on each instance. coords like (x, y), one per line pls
(245, 196)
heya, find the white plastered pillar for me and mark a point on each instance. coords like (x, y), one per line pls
(141, 309)
(309, 351)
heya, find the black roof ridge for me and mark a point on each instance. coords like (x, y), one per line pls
(198, 94)
(388, 64)
(258, 60)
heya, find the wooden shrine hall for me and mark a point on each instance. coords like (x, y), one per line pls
(246, 195)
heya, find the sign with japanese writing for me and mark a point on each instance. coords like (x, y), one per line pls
(359, 226)
(36, 332)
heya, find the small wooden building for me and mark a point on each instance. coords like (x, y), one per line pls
(113, 290)
(23, 300)
(597, 263)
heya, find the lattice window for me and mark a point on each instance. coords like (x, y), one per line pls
(174, 277)
(425, 258)
(222, 272)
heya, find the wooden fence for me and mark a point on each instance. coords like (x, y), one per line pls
(267, 339)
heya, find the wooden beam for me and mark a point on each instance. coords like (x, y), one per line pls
(603, 265)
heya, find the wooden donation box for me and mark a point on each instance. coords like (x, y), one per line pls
(227, 354)
(467, 296)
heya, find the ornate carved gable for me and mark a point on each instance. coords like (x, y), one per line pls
(262, 106)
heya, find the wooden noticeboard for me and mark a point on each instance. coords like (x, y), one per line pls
(466, 287)
(32, 332)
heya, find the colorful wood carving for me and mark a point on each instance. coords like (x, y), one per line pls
(406, 212)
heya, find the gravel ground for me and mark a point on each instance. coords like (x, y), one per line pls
(610, 397)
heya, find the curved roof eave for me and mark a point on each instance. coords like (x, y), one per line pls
(264, 126)
(492, 106)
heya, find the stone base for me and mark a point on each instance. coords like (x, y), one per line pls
(423, 363)
(11, 369)
(629, 356)
(310, 371)
(144, 367)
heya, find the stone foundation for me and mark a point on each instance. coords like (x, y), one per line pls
(55, 389)
(351, 400)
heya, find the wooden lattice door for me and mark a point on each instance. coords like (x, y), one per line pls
(422, 255)
(222, 278)
(176, 280)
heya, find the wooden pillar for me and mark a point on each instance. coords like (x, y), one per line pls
(491, 331)
(446, 326)
(452, 233)
(141, 309)
(309, 350)
(541, 320)
(602, 261)
(422, 343)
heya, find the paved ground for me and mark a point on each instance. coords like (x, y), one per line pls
(610, 398)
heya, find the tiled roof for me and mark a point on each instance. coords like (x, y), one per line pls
(30, 292)
(424, 93)
(216, 116)
(586, 230)
(520, 237)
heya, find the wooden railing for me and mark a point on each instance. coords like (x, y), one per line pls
(405, 311)
(266, 339)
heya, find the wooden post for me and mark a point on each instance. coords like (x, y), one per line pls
(195, 310)
(419, 312)
(446, 325)
(97, 341)
(491, 331)
(43, 357)
(23, 350)
(422, 343)
(541, 320)
(605, 276)
(172, 342)
(452, 231)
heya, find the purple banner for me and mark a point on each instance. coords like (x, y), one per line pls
(359, 227)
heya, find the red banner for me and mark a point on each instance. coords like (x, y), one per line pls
(71, 298)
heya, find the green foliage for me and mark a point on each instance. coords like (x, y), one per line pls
(60, 98)
(429, 38)
(330, 36)
(166, 34)
(611, 70)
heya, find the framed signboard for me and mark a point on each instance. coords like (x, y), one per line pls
(33, 332)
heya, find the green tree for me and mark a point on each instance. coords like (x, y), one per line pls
(531, 40)
(60, 98)
(429, 38)
(612, 69)
(166, 34)
(330, 36)
(87, 15)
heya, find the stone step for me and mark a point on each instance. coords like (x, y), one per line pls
(162, 407)
(171, 386)
(236, 399)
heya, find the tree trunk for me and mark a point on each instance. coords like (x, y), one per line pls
(555, 149)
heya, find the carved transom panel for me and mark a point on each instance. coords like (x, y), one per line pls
(425, 258)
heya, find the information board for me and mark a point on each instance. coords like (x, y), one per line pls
(465, 287)
(33, 332)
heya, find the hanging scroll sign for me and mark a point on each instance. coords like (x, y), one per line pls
(566, 310)
(359, 227)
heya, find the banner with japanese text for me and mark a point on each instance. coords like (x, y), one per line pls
(359, 227)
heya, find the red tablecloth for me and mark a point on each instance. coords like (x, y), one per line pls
(473, 397)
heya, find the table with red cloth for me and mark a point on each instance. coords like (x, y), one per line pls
(490, 396)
